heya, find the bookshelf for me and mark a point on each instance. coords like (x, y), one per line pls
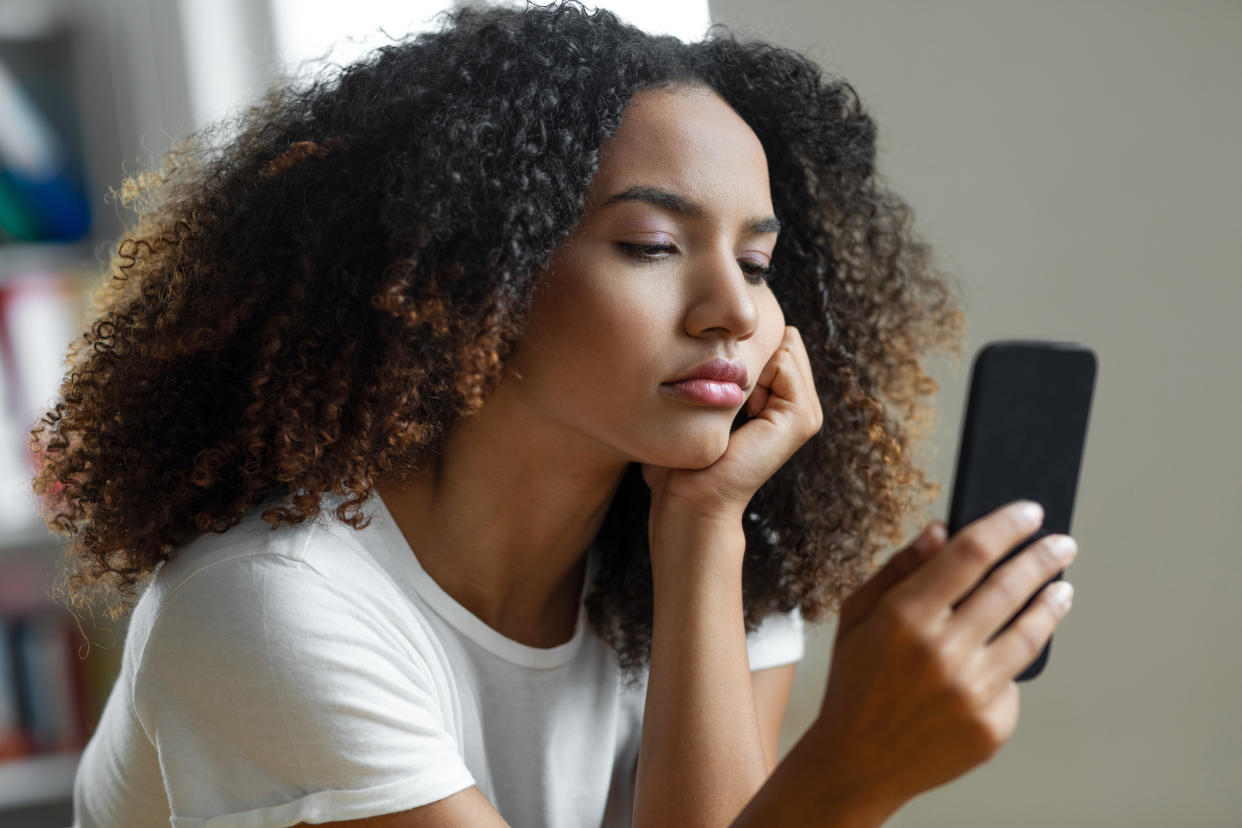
(68, 109)
(39, 780)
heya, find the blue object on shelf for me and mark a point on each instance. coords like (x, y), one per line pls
(40, 197)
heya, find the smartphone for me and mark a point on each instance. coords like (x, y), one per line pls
(1027, 408)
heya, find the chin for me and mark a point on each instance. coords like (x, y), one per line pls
(696, 453)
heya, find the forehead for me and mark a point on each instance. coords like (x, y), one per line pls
(687, 140)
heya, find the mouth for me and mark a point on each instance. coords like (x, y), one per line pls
(718, 383)
(716, 369)
(706, 392)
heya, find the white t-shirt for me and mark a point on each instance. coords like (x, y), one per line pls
(316, 673)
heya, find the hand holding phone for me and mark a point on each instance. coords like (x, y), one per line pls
(921, 686)
(1022, 438)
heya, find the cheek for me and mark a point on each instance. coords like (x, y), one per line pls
(604, 338)
(610, 322)
(771, 326)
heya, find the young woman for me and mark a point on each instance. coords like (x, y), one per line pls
(481, 423)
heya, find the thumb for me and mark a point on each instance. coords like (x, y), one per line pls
(861, 602)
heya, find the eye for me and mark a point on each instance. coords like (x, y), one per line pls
(646, 252)
(755, 272)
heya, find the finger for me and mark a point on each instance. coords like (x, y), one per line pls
(786, 377)
(806, 378)
(862, 602)
(1010, 587)
(801, 376)
(968, 555)
(797, 347)
(776, 375)
(1014, 649)
(758, 399)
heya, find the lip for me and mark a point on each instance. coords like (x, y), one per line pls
(717, 369)
(705, 392)
(716, 382)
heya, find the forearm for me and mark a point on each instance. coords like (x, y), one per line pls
(807, 790)
(701, 758)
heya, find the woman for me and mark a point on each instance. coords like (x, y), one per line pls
(618, 340)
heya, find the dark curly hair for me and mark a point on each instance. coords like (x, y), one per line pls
(314, 299)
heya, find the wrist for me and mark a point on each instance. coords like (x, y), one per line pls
(859, 798)
(696, 544)
(814, 785)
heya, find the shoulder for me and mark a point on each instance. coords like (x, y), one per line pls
(284, 670)
(255, 565)
(292, 599)
(317, 549)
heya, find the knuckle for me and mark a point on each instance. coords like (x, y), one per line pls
(1012, 589)
(811, 425)
(990, 737)
(1029, 638)
(1058, 600)
(903, 625)
(1046, 556)
(979, 738)
(1017, 525)
(898, 616)
(973, 550)
(987, 730)
(966, 695)
(939, 666)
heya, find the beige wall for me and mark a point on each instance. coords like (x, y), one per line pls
(1078, 165)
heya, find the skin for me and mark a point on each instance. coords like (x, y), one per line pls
(921, 686)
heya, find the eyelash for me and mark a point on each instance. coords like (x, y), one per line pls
(643, 253)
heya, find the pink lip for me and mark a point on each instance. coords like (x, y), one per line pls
(706, 392)
(718, 369)
(717, 382)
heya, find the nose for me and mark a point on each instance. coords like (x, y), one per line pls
(721, 301)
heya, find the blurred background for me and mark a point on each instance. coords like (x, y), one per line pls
(1076, 165)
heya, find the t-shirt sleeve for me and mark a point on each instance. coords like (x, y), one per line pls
(777, 640)
(273, 696)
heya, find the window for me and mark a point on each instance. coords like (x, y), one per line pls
(308, 29)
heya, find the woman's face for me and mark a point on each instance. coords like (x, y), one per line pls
(661, 274)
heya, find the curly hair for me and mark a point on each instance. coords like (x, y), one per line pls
(315, 299)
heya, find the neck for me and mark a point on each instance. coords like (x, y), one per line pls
(502, 520)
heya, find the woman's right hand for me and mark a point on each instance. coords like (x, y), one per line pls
(919, 691)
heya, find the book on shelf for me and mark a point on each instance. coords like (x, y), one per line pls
(40, 312)
(41, 192)
(55, 673)
(56, 670)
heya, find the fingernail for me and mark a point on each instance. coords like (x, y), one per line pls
(1030, 512)
(1063, 547)
(1062, 594)
(931, 537)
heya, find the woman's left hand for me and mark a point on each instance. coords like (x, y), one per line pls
(785, 413)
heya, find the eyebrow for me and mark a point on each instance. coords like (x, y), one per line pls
(678, 204)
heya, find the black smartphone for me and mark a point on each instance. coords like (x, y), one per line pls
(1022, 438)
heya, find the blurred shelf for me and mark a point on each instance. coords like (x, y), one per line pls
(34, 257)
(36, 780)
(33, 537)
